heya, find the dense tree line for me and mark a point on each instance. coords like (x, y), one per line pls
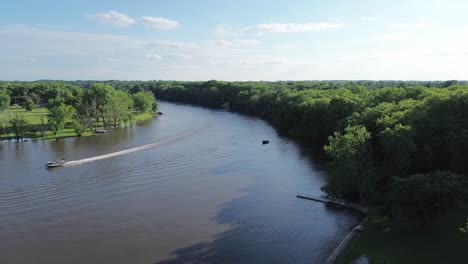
(84, 109)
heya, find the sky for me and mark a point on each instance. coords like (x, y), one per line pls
(234, 40)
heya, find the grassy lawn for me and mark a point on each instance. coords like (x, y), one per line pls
(143, 116)
(34, 118)
(389, 242)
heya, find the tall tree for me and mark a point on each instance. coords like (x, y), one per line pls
(351, 166)
(18, 124)
(144, 101)
(29, 105)
(43, 125)
(102, 94)
(85, 110)
(118, 107)
(4, 100)
(58, 116)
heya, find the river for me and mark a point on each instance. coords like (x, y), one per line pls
(202, 189)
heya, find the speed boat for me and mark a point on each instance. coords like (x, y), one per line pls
(57, 163)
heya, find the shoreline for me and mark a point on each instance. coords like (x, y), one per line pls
(68, 132)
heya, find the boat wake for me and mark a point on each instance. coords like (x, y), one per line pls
(187, 135)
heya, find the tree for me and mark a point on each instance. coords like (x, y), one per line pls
(130, 118)
(18, 124)
(102, 95)
(2, 129)
(77, 127)
(58, 116)
(398, 147)
(29, 105)
(426, 196)
(449, 83)
(54, 102)
(118, 107)
(43, 125)
(144, 101)
(4, 100)
(85, 110)
(351, 166)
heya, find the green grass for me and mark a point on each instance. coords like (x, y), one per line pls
(34, 118)
(390, 242)
(143, 116)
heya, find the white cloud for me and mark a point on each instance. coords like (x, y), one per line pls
(246, 42)
(160, 23)
(220, 42)
(153, 56)
(263, 60)
(179, 56)
(113, 18)
(69, 55)
(391, 37)
(234, 42)
(447, 53)
(225, 30)
(169, 44)
(262, 29)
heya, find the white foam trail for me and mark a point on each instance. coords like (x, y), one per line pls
(184, 136)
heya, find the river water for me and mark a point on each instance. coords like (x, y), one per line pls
(193, 185)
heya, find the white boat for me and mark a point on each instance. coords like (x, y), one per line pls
(57, 163)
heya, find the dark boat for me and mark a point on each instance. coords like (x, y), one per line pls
(264, 142)
(160, 113)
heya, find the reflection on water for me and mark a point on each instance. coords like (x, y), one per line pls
(211, 193)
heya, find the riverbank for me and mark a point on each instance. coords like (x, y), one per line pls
(385, 241)
(34, 119)
(381, 240)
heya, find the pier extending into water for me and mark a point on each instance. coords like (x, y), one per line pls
(353, 206)
(352, 234)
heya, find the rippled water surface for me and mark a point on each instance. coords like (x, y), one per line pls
(194, 185)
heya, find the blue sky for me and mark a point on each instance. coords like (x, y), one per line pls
(234, 40)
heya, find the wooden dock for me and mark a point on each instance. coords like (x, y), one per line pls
(353, 206)
(352, 234)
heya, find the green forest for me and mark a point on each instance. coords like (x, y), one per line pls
(48, 110)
